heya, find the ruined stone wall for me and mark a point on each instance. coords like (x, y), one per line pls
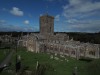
(70, 48)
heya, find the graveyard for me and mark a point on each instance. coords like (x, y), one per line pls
(55, 64)
(49, 37)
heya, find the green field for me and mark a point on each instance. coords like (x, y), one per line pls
(5, 48)
(61, 67)
(57, 67)
(3, 54)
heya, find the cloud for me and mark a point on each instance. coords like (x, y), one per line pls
(16, 11)
(76, 8)
(82, 15)
(71, 21)
(2, 23)
(84, 26)
(4, 26)
(57, 17)
(26, 22)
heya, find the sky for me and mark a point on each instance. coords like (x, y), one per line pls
(70, 15)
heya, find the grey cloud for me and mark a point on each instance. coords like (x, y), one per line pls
(57, 18)
(88, 26)
(78, 15)
(80, 7)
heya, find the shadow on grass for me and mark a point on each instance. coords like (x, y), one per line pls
(86, 59)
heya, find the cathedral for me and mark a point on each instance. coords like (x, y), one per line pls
(48, 42)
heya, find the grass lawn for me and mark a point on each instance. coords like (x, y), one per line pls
(64, 67)
(4, 50)
(5, 73)
(61, 67)
(3, 54)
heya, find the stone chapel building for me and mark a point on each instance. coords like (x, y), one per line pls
(48, 42)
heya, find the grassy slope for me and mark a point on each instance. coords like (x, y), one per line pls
(3, 53)
(61, 67)
(5, 73)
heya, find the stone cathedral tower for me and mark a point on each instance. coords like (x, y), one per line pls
(46, 25)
